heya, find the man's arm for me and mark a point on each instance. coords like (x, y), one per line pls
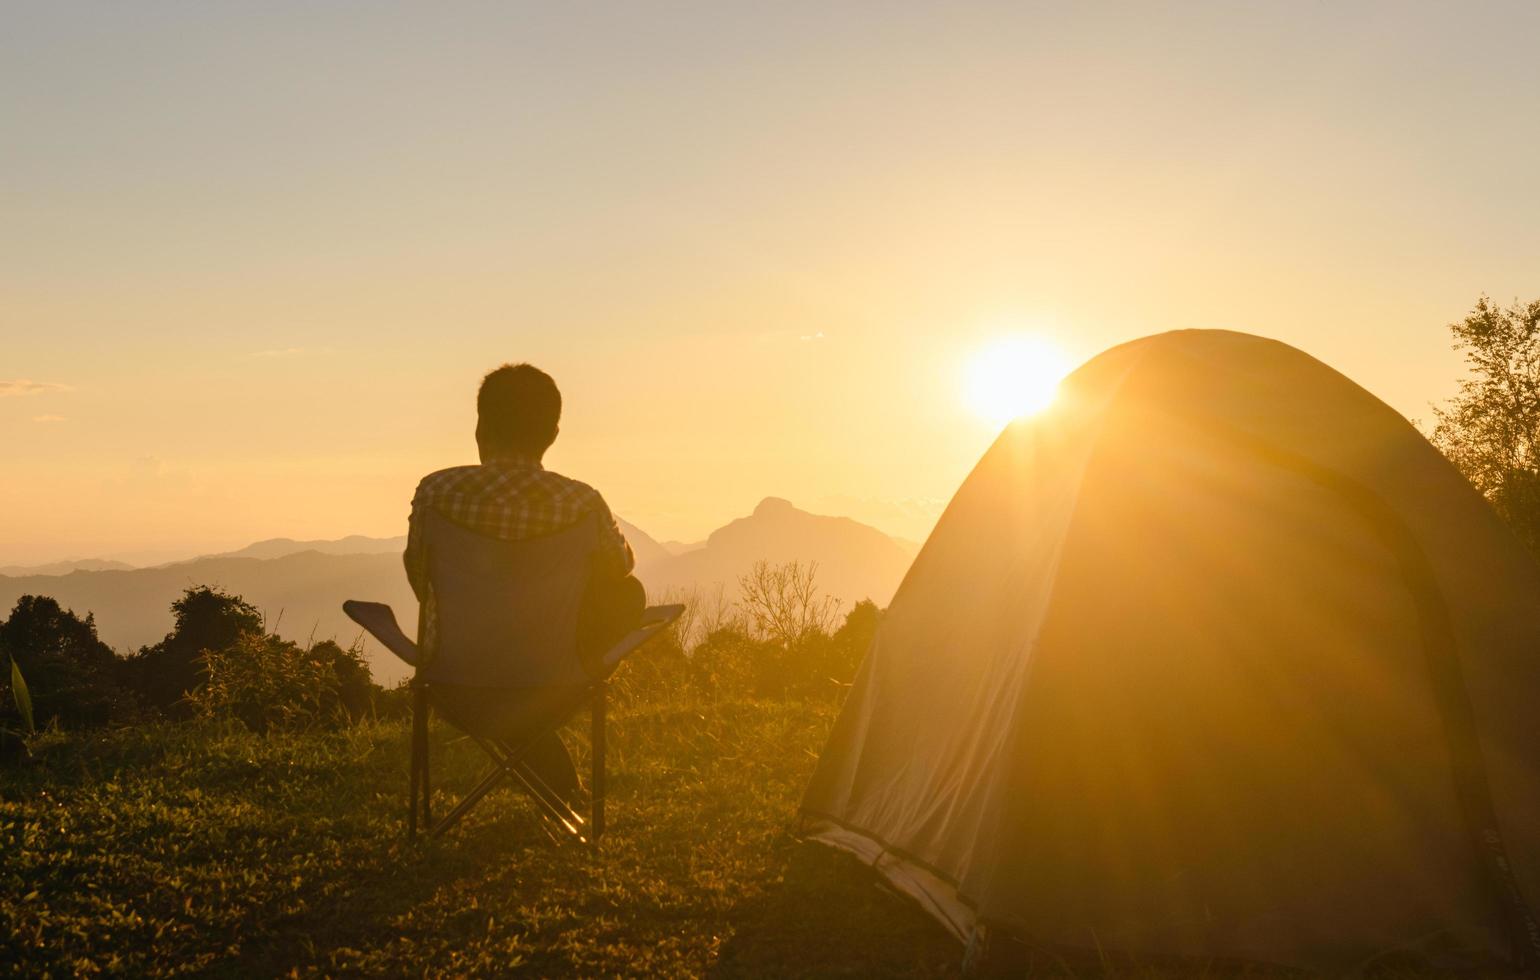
(416, 556)
(614, 558)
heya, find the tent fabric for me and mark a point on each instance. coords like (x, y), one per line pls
(1216, 658)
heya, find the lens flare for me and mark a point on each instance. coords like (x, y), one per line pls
(1014, 377)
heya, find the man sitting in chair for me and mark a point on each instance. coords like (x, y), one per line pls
(510, 495)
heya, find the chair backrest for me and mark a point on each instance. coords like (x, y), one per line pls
(507, 611)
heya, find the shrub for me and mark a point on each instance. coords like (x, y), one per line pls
(12, 745)
(71, 672)
(356, 690)
(267, 683)
(782, 602)
(776, 642)
(206, 619)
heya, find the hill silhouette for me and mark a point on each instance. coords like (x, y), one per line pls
(855, 561)
(300, 585)
(65, 567)
(353, 544)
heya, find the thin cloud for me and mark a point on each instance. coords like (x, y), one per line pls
(49, 418)
(809, 338)
(23, 386)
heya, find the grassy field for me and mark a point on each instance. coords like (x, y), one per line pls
(211, 850)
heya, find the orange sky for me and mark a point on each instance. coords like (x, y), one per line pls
(255, 258)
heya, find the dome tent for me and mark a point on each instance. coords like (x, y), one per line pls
(1217, 658)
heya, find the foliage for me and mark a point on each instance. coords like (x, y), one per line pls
(12, 746)
(206, 619)
(268, 683)
(263, 682)
(782, 602)
(1491, 429)
(853, 638)
(22, 697)
(355, 688)
(733, 662)
(190, 848)
(71, 672)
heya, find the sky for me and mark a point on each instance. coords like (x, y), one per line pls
(254, 258)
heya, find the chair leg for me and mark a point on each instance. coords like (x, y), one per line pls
(596, 801)
(551, 804)
(422, 741)
(509, 763)
(487, 784)
(419, 788)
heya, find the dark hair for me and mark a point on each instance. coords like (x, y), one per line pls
(518, 408)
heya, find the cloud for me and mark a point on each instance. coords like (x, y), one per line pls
(23, 386)
(811, 337)
(49, 418)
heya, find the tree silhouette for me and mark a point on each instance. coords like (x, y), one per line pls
(1491, 429)
(206, 619)
(68, 669)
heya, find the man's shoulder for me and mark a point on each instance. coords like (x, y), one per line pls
(569, 487)
(446, 479)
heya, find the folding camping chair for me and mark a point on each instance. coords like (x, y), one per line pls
(505, 666)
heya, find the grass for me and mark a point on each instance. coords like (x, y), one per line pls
(175, 849)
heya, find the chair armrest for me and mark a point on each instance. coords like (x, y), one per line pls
(662, 614)
(379, 620)
(655, 619)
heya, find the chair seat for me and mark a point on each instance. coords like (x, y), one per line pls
(506, 714)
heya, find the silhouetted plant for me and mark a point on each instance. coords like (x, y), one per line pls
(782, 602)
(206, 619)
(356, 690)
(1491, 429)
(11, 744)
(265, 683)
(851, 640)
(72, 672)
(800, 658)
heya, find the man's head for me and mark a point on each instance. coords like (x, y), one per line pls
(517, 411)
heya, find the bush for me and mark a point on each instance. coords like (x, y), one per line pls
(356, 690)
(206, 619)
(782, 602)
(266, 683)
(69, 670)
(783, 650)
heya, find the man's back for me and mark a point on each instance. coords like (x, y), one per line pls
(509, 497)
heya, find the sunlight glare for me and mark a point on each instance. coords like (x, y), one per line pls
(1014, 377)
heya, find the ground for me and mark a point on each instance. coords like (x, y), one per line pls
(185, 848)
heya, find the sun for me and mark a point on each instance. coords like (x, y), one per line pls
(1014, 377)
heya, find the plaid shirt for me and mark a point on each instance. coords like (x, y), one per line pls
(510, 498)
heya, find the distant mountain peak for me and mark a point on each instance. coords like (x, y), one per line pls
(773, 506)
(854, 560)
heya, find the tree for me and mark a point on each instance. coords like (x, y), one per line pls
(206, 619)
(1491, 429)
(69, 670)
(783, 603)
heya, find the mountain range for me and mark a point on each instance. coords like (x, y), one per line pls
(300, 585)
